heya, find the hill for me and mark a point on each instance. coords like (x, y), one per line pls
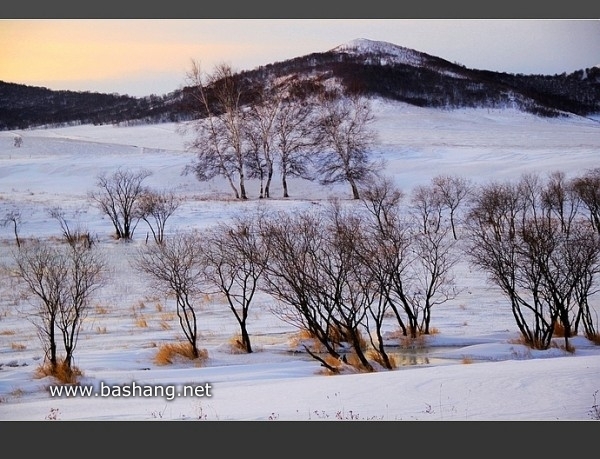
(374, 68)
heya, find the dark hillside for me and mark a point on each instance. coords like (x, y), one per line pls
(23, 106)
(373, 68)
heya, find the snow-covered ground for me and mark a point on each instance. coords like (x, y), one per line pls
(472, 369)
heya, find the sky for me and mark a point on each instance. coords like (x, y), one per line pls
(472, 369)
(140, 57)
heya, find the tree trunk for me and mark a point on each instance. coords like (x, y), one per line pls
(52, 338)
(246, 339)
(16, 234)
(355, 193)
(242, 187)
(269, 177)
(285, 187)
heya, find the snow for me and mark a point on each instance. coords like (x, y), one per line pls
(386, 51)
(472, 369)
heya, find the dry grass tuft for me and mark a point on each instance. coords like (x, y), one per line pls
(141, 322)
(335, 335)
(400, 336)
(101, 310)
(350, 363)
(559, 330)
(167, 316)
(570, 348)
(355, 362)
(467, 360)
(8, 332)
(17, 393)
(236, 344)
(18, 347)
(519, 340)
(374, 355)
(595, 338)
(63, 373)
(305, 337)
(334, 363)
(173, 352)
(407, 342)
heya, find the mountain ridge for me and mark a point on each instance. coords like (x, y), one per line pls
(375, 68)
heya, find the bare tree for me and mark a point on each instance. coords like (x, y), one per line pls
(72, 234)
(63, 279)
(235, 260)
(313, 272)
(544, 263)
(383, 253)
(493, 225)
(587, 188)
(155, 208)
(295, 126)
(42, 269)
(256, 164)
(176, 269)
(382, 200)
(293, 278)
(412, 262)
(260, 131)
(560, 199)
(452, 192)
(86, 266)
(427, 206)
(117, 196)
(219, 129)
(338, 272)
(351, 288)
(344, 131)
(13, 217)
(433, 281)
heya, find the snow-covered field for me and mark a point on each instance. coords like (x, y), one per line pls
(472, 369)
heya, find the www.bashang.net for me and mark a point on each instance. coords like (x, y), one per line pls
(168, 391)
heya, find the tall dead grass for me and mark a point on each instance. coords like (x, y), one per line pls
(170, 353)
(62, 372)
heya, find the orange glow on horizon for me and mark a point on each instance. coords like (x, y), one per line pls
(45, 50)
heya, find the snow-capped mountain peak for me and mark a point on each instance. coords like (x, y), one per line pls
(389, 52)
